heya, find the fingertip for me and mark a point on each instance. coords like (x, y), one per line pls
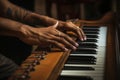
(76, 44)
(65, 49)
(81, 39)
(85, 38)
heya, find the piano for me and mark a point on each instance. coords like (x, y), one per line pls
(97, 58)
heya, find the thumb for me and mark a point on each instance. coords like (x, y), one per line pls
(55, 25)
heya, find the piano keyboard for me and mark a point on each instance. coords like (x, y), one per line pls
(88, 61)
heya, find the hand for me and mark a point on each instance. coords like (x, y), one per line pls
(49, 36)
(72, 27)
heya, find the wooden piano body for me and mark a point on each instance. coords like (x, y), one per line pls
(49, 68)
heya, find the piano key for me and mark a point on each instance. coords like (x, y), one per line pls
(84, 57)
(87, 45)
(78, 68)
(96, 27)
(91, 51)
(98, 54)
(81, 60)
(85, 51)
(82, 73)
(91, 29)
(99, 66)
(91, 32)
(99, 48)
(80, 78)
(88, 40)
(102, 37)
(91, 36)
(87, 55)
(75, 78)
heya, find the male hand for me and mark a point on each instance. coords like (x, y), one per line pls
(49, 36)
(69, 26)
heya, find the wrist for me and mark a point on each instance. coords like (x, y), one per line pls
(24, 31)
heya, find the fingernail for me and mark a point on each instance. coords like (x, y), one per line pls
(74, 48)
(81, 39)
(85, 38)
(77, 44)
(65, 49)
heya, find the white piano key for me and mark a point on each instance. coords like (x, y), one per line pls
(82, 73)
(102, 36)
(96, 68)
(87, 65)
(98, 78)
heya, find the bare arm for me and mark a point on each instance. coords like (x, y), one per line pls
(9, 10)
(11, 28)
(36, 36)
(14, 12)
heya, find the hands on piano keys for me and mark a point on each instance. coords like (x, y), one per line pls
(86, 63)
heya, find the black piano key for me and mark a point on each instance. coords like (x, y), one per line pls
(91, 40)
(75, 78)
(97, 27)
(72, 57)
(81, 60)
(91, 29)
(91, 36)
(86, 49)
(77, 68)
(91, 32)
(87, 45)
(88, 40)
(83, 52)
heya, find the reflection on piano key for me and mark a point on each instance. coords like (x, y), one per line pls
(88, 61)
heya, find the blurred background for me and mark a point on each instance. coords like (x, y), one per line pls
(67, 9)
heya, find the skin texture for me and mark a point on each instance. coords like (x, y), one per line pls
(15, 21)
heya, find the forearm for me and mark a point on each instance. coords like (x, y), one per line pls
(37, 19)
(12, 11)
(12, 28)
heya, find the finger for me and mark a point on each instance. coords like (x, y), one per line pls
(68, 39)
(77, 30)
(80, 33)
(59, 45)
(63, 39)
(65, 42)
(83, 34)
